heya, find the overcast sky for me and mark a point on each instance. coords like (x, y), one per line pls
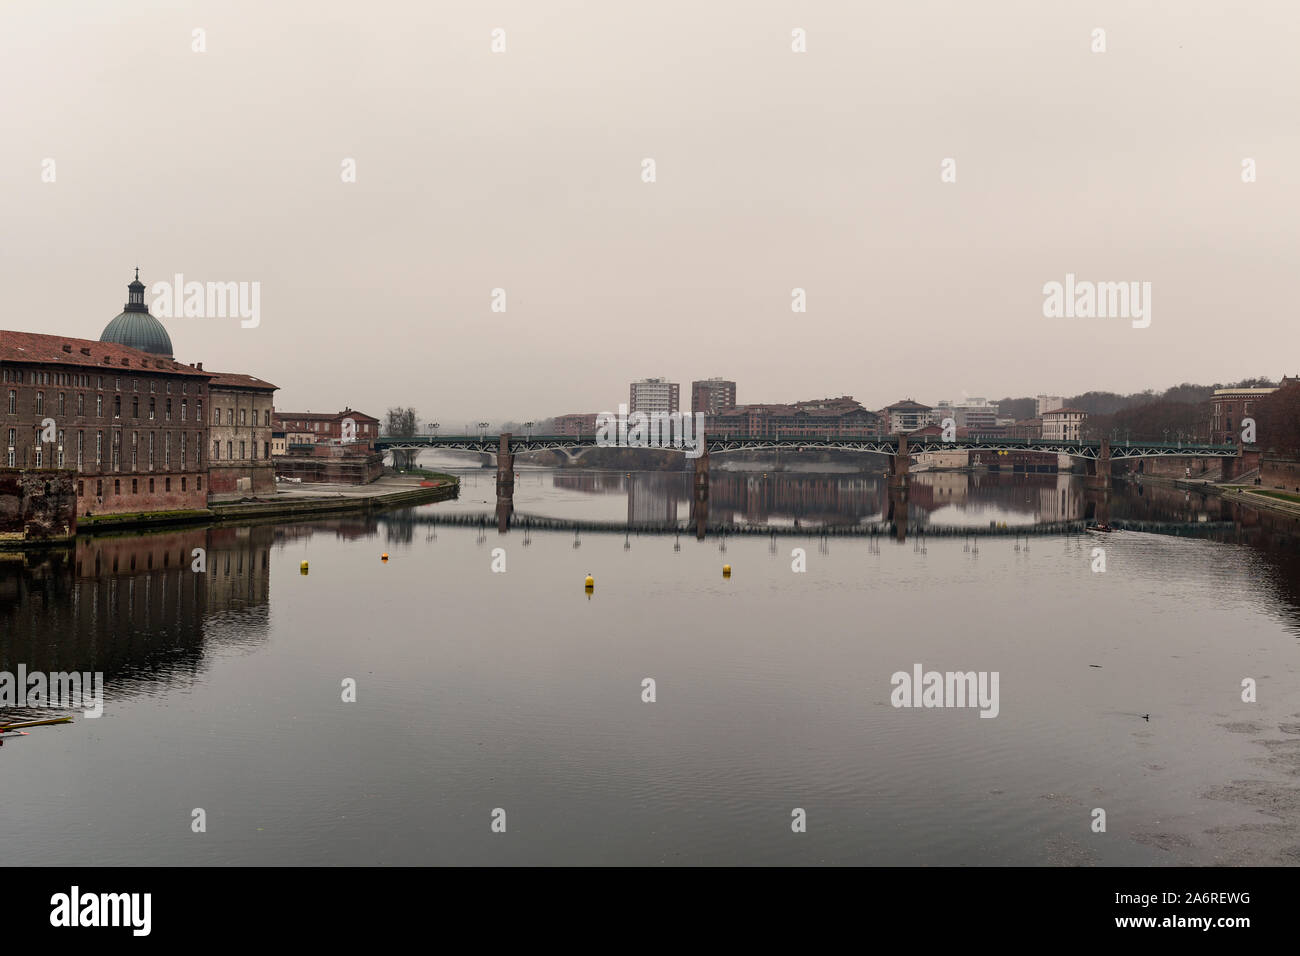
(523, 170)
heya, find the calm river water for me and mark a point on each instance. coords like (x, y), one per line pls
(480, 691)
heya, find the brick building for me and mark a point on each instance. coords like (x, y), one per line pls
(1228, 406)
(818, 418)
(311, 428)
(576, 424)
(129, 422)
(239, 434)
(712, 395)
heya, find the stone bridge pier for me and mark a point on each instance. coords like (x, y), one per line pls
(899, 468)
(700, 495)
(1098, 472)
(505, 483)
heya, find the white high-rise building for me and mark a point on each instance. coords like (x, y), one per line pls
(654, 395)
(1047, 403)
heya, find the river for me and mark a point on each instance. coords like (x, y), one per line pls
(493, 691)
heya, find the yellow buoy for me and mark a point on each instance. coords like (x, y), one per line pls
(384, 556)
(590, 582)
(726, 570)
(303, 565)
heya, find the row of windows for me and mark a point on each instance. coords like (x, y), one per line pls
(135, 486)
(243, 451)
(83, 381)
(243, 417)
(363, 428)
(149, 451)
(38, 404)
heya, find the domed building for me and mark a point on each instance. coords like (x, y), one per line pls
(136, 328)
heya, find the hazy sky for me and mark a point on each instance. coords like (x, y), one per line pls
(775, 170)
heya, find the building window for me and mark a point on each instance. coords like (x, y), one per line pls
(81, 449)
(117, 451)
(184, 410)
(99, 483)
(230, 450)
(81, 404)
(168, 413)
(266, 419)
(243, 416)
(99, 449)
(62, 403)
(198, 409)
(242, 454)
(135, 407)
(198, 450)
(153, 408)
(135, 450)
(60, 449)
(216, 451)
(167, 484)
(135, 486)
(182, 483)
(266, 449)
(230, 416)
(117, 487)
(167, 451)
(13, 401)
(198, 482)
(40, 403)
(151, 447)
(117, 406)
(182, 451)
(39, 456)
(99, 406)
(150, 486)
(81, 489)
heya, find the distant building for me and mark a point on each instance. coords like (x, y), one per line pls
(969, 412)
(1228, 406)
(239, 434)
(311, 428)
(712, 395)
(1028, 428)
(1063, 424)
(579, 424)
(654, 395)
(818, 418)
(1047, 403)
(905, 416)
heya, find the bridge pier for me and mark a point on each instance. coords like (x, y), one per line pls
(1099, 471)
(700, 497)
(505, 483)
(899, 467)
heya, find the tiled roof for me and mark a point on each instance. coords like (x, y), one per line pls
(1064, 411)
(49, 350)
(238, 380)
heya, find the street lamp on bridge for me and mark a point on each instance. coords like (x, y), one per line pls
(529, 426)
(482, 431)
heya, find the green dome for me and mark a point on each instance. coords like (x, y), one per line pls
(136, 328)
(139, 330)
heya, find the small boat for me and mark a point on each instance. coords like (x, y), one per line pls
(1103, 526)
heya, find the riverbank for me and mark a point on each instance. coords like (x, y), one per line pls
(292, 501)
(1254, 496)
